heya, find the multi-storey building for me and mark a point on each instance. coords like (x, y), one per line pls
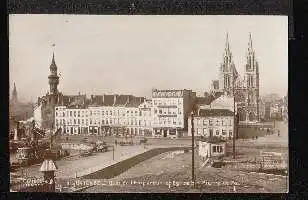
(212, 122)
(105, 114)
(246, 89)
(145, 118)
(170, 111)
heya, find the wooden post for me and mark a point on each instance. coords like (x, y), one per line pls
(113, 153)
(234, 119)
(193, 149)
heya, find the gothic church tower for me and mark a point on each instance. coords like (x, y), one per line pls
(251, 81)
(227, 72)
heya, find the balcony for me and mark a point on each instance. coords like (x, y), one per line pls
(167, 106)
(167, 115)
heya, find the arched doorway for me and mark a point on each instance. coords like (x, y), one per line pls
(242, 115)
(252, 116)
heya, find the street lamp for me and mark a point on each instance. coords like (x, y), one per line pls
(234, 118)
(193, 148)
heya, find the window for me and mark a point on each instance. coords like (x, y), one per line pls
(110, 112)
(222, 122)
(63, 114)
(230, 132)
(56, 108)
(155, 111)
(204, 122)
(90, 112)
(217, 123)
(160, 111)
(78, 121)
(103, 121)
(71, 113)
(214, 149)
(230, 122)
(224, 132)
(217, 132)
(217, 149)
(82, 121)
(210, 122)
(204, 132)
(56, 113)
(103, 112)
(199, 122)
(199, 131)
(74, 121)
(90, 121)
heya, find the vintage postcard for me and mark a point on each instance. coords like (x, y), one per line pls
(151, 104)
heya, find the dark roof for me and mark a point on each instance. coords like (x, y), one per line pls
(213, 140)
(123, 99)
(108, 100)
(214, 112)
(116, 100)
(135, 102)
(203, 100)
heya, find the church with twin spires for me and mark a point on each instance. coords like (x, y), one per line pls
(245, 89)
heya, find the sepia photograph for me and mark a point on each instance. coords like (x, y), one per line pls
(148, 103)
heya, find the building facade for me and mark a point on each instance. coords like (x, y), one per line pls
(246, 89)
(170, 111)
(212, 147)
(105, 115)
(212, 123)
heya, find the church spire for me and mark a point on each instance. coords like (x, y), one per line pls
(53, 76)
(14, 94)
(250, 49)
(53, 65)
(227, 45)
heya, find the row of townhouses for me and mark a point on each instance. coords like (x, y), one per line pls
(166, 114)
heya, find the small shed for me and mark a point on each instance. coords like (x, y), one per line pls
(212, 147)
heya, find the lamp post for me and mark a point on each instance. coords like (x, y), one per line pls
(193, 148)
(234, 118)
(113, 153)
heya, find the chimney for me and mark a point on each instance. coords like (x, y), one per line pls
(114, 99)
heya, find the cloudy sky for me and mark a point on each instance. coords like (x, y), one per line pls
(133, 54)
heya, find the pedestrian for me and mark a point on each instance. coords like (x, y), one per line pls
(278, 133)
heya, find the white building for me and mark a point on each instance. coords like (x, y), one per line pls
(170, 111)
(212, 147)
(212, 122)
(107, 114)
(146, 118)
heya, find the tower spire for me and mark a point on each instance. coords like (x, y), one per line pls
(14, 94)
(250, 49)
(227, 43)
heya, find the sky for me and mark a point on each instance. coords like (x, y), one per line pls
(98, 54)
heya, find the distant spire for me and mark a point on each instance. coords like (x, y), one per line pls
(250, 43)
(53, 62)
(227, 42)
(14, 94)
